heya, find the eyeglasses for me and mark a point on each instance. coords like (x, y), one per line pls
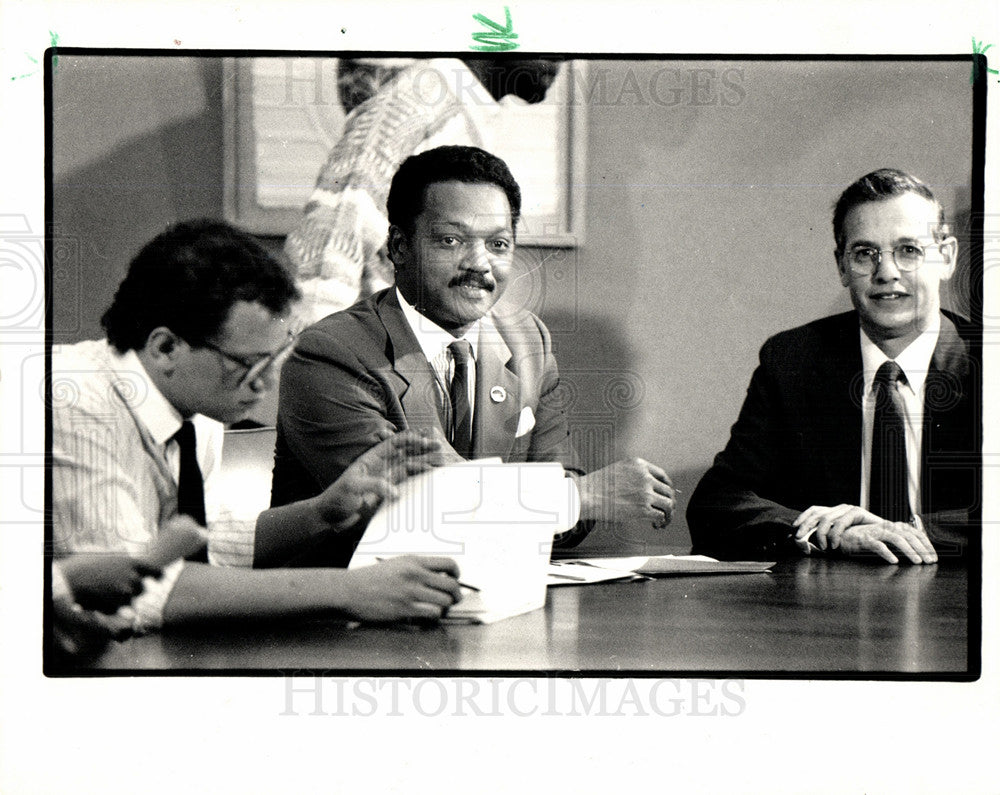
(865, 260)
(256, 369)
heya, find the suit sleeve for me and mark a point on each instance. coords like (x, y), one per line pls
(550, 440)
(729, 515)
(331, 409)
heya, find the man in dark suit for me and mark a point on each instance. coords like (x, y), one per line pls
(860, 433)
(429, 354)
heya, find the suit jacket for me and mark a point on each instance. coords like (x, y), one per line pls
(797, 443)
(360, 373)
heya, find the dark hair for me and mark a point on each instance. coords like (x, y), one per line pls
(188, 278)
(444, 164)
(886, 183)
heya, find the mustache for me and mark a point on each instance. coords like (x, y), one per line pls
(473, 280)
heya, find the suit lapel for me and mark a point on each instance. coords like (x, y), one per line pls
(839, 377)
(949, 417)
(498, 395)
(415, 385)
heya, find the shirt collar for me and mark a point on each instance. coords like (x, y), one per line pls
(145, 399)
(430, 336)
(914, 360)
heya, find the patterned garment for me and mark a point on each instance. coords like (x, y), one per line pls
(339, 247)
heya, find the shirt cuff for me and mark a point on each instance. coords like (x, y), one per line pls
(231, 540)
(60, 587)
(145, 614)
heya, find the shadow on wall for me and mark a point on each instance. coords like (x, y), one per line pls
(104, 212)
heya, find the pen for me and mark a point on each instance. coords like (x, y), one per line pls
(463, 584)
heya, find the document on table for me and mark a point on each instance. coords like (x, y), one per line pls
(654, 566)
(567, 572)
(495, 520)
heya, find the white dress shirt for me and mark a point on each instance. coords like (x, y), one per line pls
(115, 467)
(434, 342)
(914, 361)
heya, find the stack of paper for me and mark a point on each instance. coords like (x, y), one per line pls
(495, 520)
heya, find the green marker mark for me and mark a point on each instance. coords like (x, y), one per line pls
(53, 40)
(497, 37)
(979, 49)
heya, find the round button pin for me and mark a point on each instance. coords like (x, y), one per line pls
(498, 394)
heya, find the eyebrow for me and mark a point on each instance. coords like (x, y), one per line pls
(444, 226)
(899, 240)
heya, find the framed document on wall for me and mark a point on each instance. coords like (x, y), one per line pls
(284, 114)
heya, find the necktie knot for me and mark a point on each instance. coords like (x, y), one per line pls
(884, 385)
(889, 373)
(185, 437)
(461, 351)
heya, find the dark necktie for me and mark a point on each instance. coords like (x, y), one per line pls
(889, 494)
(190, 485)
(461, 438)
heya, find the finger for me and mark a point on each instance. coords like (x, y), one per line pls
(880, 549)
(442, 597)
(809, 516)
(837, 527)
(924, 542)
(664, 504)
(920, 543)
(659, 474)
(836, 532)
(440, 564)
(819, 537)
(902, 544)
(416, 442)
(365, 486)
(663, 489)
(425, 610)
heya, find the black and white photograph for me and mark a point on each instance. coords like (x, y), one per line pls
(502, 379)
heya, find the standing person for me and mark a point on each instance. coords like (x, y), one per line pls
(338, 249)
(860, 432)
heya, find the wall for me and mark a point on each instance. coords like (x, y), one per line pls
(136, 145)
(709, 192)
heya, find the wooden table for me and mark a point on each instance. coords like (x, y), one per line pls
(824, 618)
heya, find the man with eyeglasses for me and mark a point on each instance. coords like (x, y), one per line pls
(195, 336)
(859, 434)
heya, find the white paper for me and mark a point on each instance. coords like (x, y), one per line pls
(495, 520)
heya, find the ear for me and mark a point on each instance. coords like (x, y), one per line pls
(399, 247)
(163, 349)
(842, 270)
(949, 255)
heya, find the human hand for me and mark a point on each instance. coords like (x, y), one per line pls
(828, 527)
(823, 525)
(373, 476)
(446, 453)
(626, 491)
(904, 537)
(105, 582)
(404, 587)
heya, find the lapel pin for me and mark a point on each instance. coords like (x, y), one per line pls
(498, 394)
